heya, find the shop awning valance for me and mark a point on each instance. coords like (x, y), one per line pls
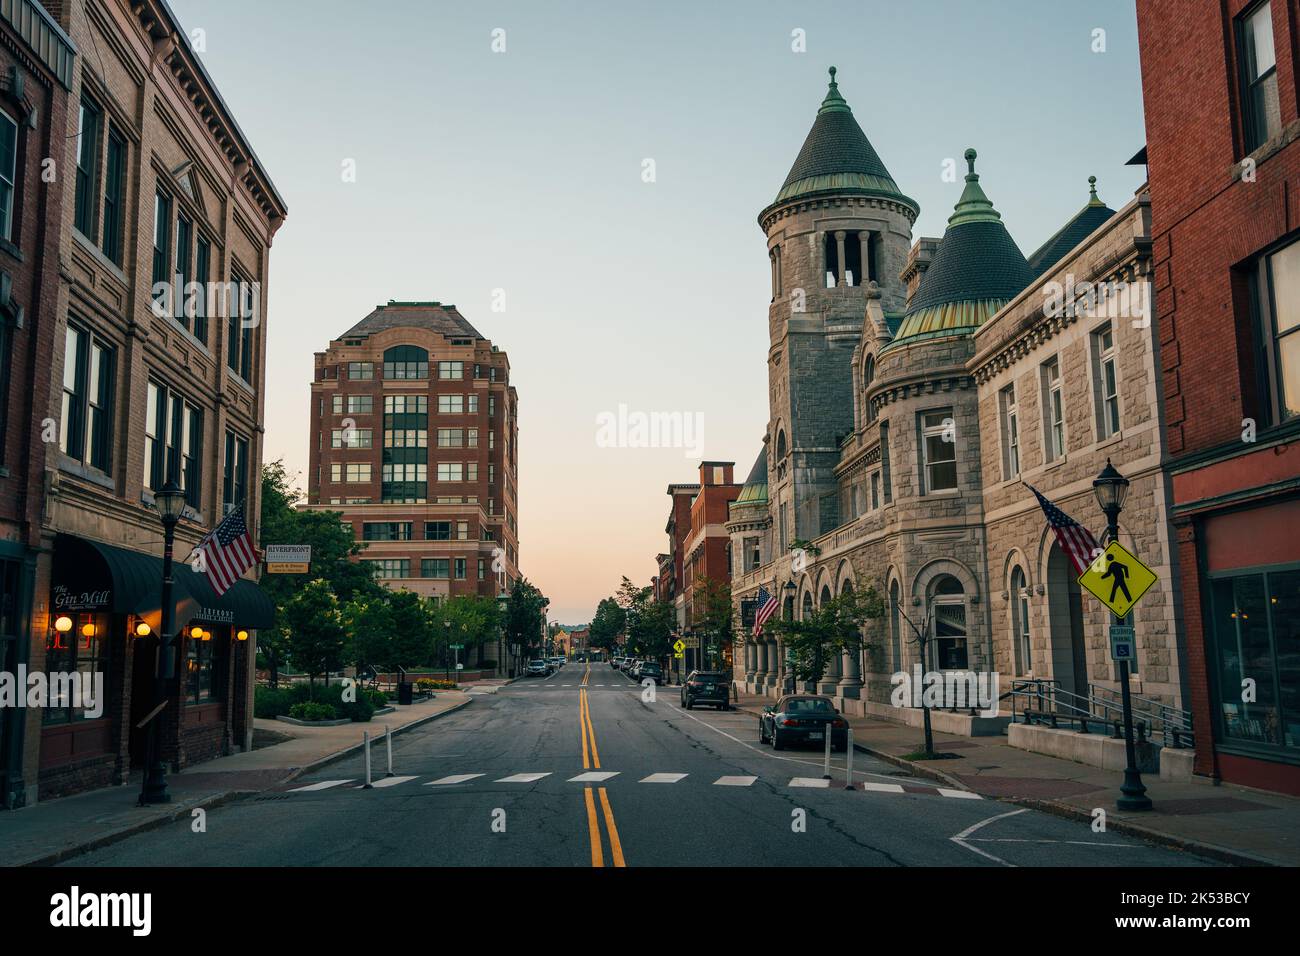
(93, 576)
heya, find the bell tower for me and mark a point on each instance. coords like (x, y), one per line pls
(838, 224)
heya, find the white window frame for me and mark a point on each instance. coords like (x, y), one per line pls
(1009, 416)
(1053, 410)
(931, 431)
(1108, 425)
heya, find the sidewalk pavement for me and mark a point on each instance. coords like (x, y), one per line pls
(54, 830)
(1226, 822)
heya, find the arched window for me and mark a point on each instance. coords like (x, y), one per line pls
(868, 376)
(895, 627)
(807, 606)
(948, 611)
(780, 445)
(1020, 620)
(826, 596)
(406, 361)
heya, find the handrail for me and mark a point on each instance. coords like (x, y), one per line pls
(1042, 700)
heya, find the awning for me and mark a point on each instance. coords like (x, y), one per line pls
(93, 576)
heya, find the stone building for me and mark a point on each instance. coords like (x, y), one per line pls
(414, 439)
(882, 461)
(157, 373)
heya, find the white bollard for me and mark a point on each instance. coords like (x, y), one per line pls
(848, 756)
(826, 770)
(365, 743)
(388, 738)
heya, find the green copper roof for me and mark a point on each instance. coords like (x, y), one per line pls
(755, 489)
(837, 157)
(977, 269)
(1085, 223)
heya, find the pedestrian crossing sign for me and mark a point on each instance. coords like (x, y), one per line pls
(1117, 579)
(679, 646)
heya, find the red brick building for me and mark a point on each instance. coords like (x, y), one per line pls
(670, 583)
(707, 552)
(1222, 115)
(415, 440)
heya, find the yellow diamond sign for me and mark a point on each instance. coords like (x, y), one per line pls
(679, 646)
(1117, 579)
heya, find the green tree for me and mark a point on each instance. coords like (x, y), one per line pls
(827, 631)
(368, 625)
(608, 623)
(648, 623)
(413, 630)
(315, 629)
(524, 614)
(474, 619)
(712, 614)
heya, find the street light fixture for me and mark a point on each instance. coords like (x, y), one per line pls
(170, 502)
(503, 601)
(1111, 489)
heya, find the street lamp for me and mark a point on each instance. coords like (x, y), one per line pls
(1111, 489)
(170, 502)
(503, 601)
(783, 660)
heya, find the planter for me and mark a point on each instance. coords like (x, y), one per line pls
(314, 723)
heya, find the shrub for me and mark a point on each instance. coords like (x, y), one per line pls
(376, 697)
(269, 703)
(311, 710)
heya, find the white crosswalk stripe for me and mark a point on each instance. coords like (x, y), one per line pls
(593, 776)
(523, 777)
(322, 785)
(734, 781)
(883, 787)
(664, 778)
(809, 782)
(453, 779)
(959, 794)
(391, 781)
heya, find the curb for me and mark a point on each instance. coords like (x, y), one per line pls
(215, 800)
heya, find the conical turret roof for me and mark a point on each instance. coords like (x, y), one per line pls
(755, 489)
(837, 157)
(977, 269)
(1083, 225)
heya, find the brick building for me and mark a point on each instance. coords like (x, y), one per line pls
(1226, 243)
(414, 435)
(670, 582)
(707, 551)
(37, 63)
(157, 373)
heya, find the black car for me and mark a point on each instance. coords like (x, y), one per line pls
(707, 687)
(650, 671)
(803, 718)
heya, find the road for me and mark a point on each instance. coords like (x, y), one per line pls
(579, 770)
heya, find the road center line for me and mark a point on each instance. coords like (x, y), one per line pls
(960, 838)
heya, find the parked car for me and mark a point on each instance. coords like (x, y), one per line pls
(707, 687)
(650, 671)
(802, 718)
(557, 662)
(538, 668)
(634, 671)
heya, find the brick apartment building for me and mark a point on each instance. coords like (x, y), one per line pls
(1220, 92)
(670, 582)
(37, 61)
(415, 440)
(159, 186)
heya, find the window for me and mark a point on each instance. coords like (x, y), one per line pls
(239, 336)
(202, 276)
(473, 404)
(162, 213)
(173, 442)
(949, 624)
(1279, 307)
(86, 422)
(868, 377)
(451, 370)
(1010, 432)
(492, 406)
(492, 473)
(114, 196)
(1252, 618)
(450, 471)
(386, 531)
(451, 404)
(81, 651)
(471, 437)
(1020, 621)
(459, 565)
(471, 471)
(492, 440)
(234, 481)
(753, 554)
(8, 173)
(362, 371)
(205, 669)
(89, 120)
(437, 531)
(1257, 55)
(451, 437)
(390, 567)
(406, 361)
(435, 568)
(352, 473)
(351, 438)
(361, 404)
(939, 447)
(875, 490)
(184, 233)
(785, 527)
(1053, 411)
(1105, 381)
(336, 405)
(482, 569)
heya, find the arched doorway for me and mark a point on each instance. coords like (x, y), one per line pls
(1065, 625)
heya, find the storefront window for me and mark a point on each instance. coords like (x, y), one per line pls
(205, 667)
(1256, 627)
(80, 651)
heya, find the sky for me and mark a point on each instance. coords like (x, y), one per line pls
(517, 178)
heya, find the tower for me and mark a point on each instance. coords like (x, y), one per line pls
(838, 223)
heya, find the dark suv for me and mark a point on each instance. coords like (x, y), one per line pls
(650, 671)
(707, 687)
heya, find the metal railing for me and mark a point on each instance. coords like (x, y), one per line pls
(1042, 701)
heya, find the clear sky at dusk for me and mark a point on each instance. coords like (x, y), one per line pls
(522, 171)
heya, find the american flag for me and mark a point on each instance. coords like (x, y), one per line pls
(1075, 540)
(767, 606)
(227, 552)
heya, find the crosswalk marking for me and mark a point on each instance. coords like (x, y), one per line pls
(454, 778)
(523, 777)
(883, 787)
(959, 794)
(809, 782)
(322, 785)
(391, 781)
(593, 776)
(737, 781)
(663, 778)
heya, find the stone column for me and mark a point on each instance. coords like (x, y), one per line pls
(830, 680)
(851, 667)
(760, 665)
(751, 654)
(864, 246)
(839, 258)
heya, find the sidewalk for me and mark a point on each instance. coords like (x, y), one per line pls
(1229, 823)
(57, 829)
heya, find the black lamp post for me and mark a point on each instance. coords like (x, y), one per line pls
(170, 502)
(1111, 489)
(503, 601)
(786, 676)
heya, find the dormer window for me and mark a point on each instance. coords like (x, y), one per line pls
(406, 362)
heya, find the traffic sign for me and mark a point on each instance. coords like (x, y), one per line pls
(457, 647)
(679, 646)
(1123, 644)
(1117, 579)
(679, 655)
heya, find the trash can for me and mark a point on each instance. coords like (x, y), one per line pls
(404, 695)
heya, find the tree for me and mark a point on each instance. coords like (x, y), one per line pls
(475, 620)
(525, 612)
(368, 625)
(712, 613)
(315, 629)
(412, 629)
(648, 623)
(827, 631)
(921, 638)
(608, 623)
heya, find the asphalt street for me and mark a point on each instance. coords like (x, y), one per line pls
(579, 769)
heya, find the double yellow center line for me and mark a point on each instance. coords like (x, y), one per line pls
(590, 761)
